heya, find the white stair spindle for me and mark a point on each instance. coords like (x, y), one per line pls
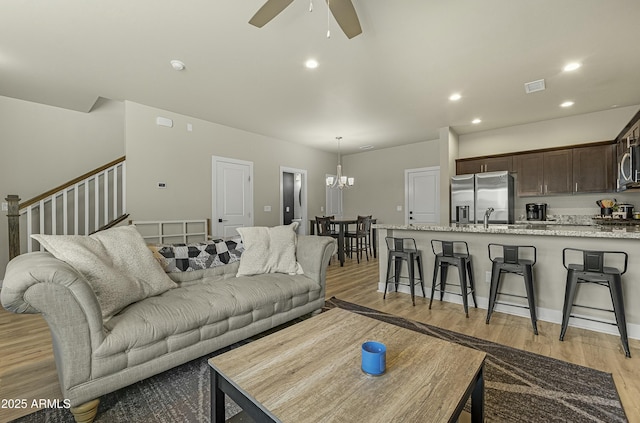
(105, 184)
(124, 187)
(115, 192)
(41, 219)
(54, 214)
(96, 196)
(76, 222)
(65, 216)
(86, 207)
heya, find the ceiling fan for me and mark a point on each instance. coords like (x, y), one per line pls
(342, 10)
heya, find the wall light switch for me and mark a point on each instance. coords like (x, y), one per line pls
(189, 127)
(398, 208)
(5, 206)
(487, 277)
(267, 208)
(322, 208)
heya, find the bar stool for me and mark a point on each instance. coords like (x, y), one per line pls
(357, 241)
(400, 250)
(446, 255)
(593, 270)
(513, 262)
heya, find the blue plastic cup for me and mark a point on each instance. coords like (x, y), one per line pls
(374, 358)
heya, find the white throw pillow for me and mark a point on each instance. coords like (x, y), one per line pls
(269, 250)
(116, 262)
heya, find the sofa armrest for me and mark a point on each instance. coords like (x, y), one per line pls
(39, 283)
(313, 253)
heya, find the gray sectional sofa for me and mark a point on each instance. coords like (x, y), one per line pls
(203, 311)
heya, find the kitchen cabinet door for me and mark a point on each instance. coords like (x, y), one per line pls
(464, 167)
(487, 164)
(494, 164)
(530, 169)
(558, 175)
(594, 168)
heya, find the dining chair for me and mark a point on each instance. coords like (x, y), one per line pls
(360, 240)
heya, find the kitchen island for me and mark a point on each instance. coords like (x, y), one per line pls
(549, 273)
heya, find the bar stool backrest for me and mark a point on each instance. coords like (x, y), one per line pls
(510, 254)
(594, 261)
(400, 244)
(513, 254)
(363, 225)
(449, 248)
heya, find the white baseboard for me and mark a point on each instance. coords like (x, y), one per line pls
(544, 314)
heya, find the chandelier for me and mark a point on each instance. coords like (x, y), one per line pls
(340, 181)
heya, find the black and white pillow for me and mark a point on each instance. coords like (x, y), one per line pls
(197, 256)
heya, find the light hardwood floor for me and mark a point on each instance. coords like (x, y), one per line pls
(27, 368)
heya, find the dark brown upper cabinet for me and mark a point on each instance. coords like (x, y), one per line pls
(594, 168)
(484, 164)
(545, 173)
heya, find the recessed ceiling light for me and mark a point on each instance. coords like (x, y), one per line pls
(455, 97)
(311, 64)
(476, 121)
(571, 67)
(567, 104)
(366, 147)
(177, 65)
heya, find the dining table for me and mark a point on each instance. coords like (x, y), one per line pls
(343, 227)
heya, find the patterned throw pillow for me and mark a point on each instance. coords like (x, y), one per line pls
(197, 256)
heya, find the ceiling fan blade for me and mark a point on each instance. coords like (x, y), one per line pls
(268, 11)
(346, 16)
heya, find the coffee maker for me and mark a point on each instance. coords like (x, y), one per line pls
(537, 211)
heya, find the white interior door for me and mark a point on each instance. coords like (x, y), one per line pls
(232, 182)
(334, 201)
(422, 194)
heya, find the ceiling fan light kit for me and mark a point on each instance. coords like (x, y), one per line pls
(342, 10)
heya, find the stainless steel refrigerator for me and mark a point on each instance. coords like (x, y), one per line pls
(479, 192)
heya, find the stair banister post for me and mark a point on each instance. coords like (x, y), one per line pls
(13, 218)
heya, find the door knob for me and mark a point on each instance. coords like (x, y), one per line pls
(221, 220)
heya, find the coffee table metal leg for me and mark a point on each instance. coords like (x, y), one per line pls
(477, 399)
(217, 399)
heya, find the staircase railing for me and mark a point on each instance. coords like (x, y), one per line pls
(82, 206)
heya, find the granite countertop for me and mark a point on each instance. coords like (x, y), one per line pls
(593, 231)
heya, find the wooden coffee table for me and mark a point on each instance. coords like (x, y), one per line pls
(310, 372)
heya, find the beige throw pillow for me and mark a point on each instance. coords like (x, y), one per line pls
(116, 262)
(269, 250)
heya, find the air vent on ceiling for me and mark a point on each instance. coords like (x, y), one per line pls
(533, 86)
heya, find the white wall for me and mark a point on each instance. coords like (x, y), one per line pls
(379, 174)
(182, 160)
(42, 147)
(580, 129)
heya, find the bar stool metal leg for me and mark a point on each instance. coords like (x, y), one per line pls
(420, 272)
(528, 283)
(493, 290)
(615, 287)
(472, 282)
(569, 298)
(434, 280)
(462, 271)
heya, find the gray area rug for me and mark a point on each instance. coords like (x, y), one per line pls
(525, 387)
(519, 387)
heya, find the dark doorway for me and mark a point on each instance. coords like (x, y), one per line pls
(288, 197)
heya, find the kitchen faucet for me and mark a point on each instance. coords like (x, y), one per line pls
(486, 217)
